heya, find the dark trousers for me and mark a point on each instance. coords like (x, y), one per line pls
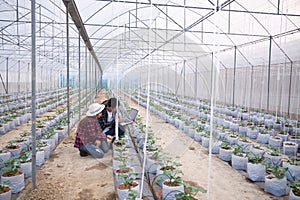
(112, 132)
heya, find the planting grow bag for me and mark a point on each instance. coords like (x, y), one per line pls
(275, 186)
(27, 169)
(5, 156)
(6, 195)
(225, 154)
(16, 183)
(123, 194)
(256, 172)
(263, 138)
(169, 192)
(293, 171)
(40, 158)
(292, 196)
(239, 162)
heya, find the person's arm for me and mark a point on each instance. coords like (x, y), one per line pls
(82, 133)
(101, 141)
(120, 119)
(97, 143)
(96, 132)
(103, 122)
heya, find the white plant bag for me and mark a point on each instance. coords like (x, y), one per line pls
(239, 162)
(27, 169)
(276, 186)
(16, 183)
(6, 195)
(256, 172)
(40, 158)
(169, 192)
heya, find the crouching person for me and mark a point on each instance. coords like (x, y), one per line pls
(89, 138)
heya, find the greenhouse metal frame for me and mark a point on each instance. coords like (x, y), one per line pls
(224, 52)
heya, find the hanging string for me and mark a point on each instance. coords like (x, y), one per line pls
(148, 101)
(277, 90)
(278, 69)
(117, 87)
(215, 84)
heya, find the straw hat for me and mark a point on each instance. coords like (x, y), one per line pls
(94, 109)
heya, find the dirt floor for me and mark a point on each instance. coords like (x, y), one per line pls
(66, 175)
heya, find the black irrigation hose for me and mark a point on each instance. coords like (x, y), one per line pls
(130, 128)
(173, 191)
(155, 178)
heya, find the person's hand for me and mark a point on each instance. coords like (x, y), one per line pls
(110, 137)
(97, 143)
(121, 120)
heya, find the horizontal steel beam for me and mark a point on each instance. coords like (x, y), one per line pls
(262, 13)
(160, 4)
(74, 13)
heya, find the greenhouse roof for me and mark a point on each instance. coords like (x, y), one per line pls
(183, 30)
(124, 33)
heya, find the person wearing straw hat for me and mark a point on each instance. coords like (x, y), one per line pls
(89, 138)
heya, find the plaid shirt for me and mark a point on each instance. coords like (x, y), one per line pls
(88, 131)
(103, 119)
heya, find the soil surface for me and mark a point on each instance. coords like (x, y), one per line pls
(126, 187)
(9, 174)
(4, 189)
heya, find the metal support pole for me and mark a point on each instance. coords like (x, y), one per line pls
(290, 89)
(234, 71)
(41, 89)
(251, 89)
(196, 79)
(19, 77)
(184, 25)
(86, 88)
(79, 80)
(90, 77)
(184, 85)
(226, 75)
(7, 75)
(68, 67)
(17, 11)
(95, 77)
(262, 86)
(27, 87)
(168, 83)
(167, 38)
(51, 79)
(33, 91)
(229, 17)
(52, 41)
(175, 86)
(40, 19)
(136, 13)
(269, 74)
(211, 74)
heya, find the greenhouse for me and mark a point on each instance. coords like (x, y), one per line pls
(150, 99)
